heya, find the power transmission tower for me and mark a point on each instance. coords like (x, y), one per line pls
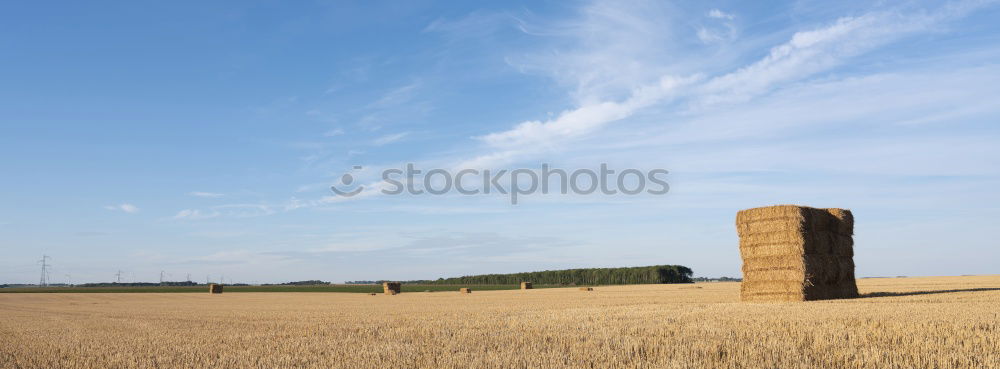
(189, 277)
(44, 280)
(161, 276)
(118, 276)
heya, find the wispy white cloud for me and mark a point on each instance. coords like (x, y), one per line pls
(529, 137)
(709, 36)
(228, 210)
(388, 139)
(194, 214)
(206, 194)
(125, 207)
(476, 24)
(396, 96)
(810, 52)
(806, 54)
(760, 142)
(605, 51)
(718, 14)
(721, 29)
(220, 234)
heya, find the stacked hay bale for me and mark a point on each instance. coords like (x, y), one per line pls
(464, 290)
(391, 288)
(525, 285)
(586, 288)
(214, 288)
(796, 253)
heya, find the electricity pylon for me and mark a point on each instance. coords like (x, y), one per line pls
(44, 280)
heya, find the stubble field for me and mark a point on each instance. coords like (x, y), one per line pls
(940, 322)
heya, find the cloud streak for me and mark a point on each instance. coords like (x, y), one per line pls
(124, 207)
(206, 194)
(804, 55)
(388, 139)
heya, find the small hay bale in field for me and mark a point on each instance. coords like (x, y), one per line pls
(214, 288)
(525, 285)
(586, 288)
(796, 253)
(373, 294)
(464, 290)
(391, 288)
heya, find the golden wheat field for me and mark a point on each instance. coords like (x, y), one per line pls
(940, 322)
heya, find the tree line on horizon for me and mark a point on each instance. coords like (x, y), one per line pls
(653, 274)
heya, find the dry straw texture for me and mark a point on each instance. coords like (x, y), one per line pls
(391, 288)
(214, 288)
(668, 326)
(525, 285)
(586, 288)
(796, 253)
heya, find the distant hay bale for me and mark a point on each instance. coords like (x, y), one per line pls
(464, 290)
(525, 285)
(586, 288)
(391, 288)
(214, 288)
(796, 253)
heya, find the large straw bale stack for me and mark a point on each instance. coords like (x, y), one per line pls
(796, 253)
(214, 288)
(586, 288)
(525, 285)
(391, 288)
(464, 290)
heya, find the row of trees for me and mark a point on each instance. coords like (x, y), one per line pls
(311, 282)
(590, 276)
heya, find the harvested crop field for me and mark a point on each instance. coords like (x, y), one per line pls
(939, 322)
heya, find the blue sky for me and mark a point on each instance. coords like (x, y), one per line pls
(202, 138)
